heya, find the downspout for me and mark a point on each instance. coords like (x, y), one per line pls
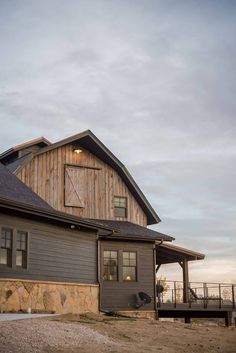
(156, 247)
(99, 271)
(154, 281)
(99, 268)
(155, 273)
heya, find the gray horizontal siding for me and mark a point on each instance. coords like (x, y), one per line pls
(55, 253)
(119, 295)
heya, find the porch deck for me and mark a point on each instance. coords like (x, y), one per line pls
(202, 300)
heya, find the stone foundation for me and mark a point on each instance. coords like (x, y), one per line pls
(55, 297)
(151, 315)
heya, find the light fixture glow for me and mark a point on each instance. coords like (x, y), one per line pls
(77, 150)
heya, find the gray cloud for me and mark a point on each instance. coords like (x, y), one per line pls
(155, 81)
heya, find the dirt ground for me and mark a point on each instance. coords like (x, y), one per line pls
(103, 334)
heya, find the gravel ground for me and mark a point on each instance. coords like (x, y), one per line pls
(13, 317)
(39, 335)
(103, 334)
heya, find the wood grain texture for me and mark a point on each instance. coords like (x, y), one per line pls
(45, 175)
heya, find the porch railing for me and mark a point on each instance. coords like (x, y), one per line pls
(199, 294)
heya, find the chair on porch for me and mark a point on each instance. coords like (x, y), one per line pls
(203, 299)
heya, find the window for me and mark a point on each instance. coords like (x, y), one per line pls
(6, 247)
(21, 249)
(129, 266)
(110, 265)
(120, 206)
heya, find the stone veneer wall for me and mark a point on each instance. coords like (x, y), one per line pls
(40, 296)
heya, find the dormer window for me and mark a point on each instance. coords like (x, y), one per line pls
(120, 206)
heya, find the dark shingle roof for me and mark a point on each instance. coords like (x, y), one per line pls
(18, 163)
(11, 188)
(133, 231)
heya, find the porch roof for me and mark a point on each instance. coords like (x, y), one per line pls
(167, 253)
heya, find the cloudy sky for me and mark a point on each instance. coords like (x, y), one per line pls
(156, 82)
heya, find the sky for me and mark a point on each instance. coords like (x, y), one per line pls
(156, 82)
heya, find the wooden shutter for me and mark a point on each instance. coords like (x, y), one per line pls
(74, 186)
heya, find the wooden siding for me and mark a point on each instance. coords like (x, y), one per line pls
(55, 253)
(45, 175)
(119, 295)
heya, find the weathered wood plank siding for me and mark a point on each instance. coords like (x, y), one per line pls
(119, 295)
(44, 174)
(55, 253)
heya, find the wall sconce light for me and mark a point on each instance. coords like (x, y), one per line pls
(74, 227)
(77, 150)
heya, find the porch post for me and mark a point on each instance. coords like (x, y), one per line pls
(187, 319)
(185, 281)
(155, 281)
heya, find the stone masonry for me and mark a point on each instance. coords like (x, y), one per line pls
(54, 297)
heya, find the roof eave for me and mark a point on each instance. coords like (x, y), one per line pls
(26, 144)
(47, 214)
(126, 237)
(193, 255)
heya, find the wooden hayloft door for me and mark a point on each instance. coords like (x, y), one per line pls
(75, 186)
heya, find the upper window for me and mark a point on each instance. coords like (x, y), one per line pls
(6, 247)
(129, 266)
(110, 265)
(21, 249)
(120, 206)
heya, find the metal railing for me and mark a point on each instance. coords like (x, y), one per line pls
(199, 294)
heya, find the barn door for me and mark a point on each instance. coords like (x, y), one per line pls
(74, 186)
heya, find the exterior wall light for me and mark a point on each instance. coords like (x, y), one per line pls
(77, 150)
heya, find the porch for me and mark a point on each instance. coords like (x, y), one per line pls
(204, 300)
(185, 299)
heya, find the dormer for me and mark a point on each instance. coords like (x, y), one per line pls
(23, 149)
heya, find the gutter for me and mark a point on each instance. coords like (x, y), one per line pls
(51, 214)
(126, 237)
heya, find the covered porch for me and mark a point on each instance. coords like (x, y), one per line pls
(187, 299)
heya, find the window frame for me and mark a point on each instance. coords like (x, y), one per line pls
(24, 252)
(9, 250)
(121, 207)
(130, 266)
(13, 266)
(104, 266)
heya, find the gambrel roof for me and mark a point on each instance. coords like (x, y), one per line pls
(90, 142)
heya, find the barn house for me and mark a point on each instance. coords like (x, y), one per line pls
(74, 232)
